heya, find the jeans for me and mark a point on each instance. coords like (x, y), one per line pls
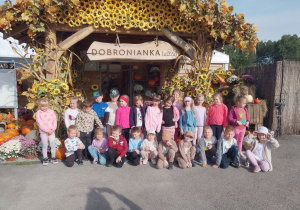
(86, 138)
(232, 153)
(112, 155)
(101, 156)
(75, 156)
(217, 130)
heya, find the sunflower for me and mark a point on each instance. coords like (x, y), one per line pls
(194, 83)
(55, 81)
(64, 86)
(127, 26)
(78, 94)
(113, 28)
(56, 91)
(228, 73)
(189, 93)
(225, 92)
(50, 86)
(94, 87)
(203, 76)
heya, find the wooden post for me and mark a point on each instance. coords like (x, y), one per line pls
(50, 42)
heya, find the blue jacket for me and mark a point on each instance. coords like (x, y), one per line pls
(188, 121)
(135, 144)
(133, 116)
(100, 108)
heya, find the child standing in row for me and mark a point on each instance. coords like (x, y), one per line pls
(113, 105)
(170, 116)
(137, 114)
(99, 147)
(186, 151)
(100, 108)
(85, 125)
(217, 116)
(73, 147)
(239, 119)
(178, 104)
(201, 117)
(188, 121)
(149, 148)
(153, 118)
(47, 122)
(72, 112)
(122, 116)
(134, 148)
(207, 146)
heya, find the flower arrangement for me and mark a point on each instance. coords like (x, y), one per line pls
(248, 79)
(10, 149)
(233, 79)
(28, 146)
(154, 69)
(138, 87)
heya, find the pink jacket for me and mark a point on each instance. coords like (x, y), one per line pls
(217, 115)
(153, 119)
(232, 117)
(122, 117)
(176, 115)
(46, 120)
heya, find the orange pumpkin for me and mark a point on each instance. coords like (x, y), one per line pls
(11, 126)
(257, 101)
(26, 129)
(14, 132)
(30, 122)
(2, 139)
(138, 76)
(61, 153)
(7, 136)
(9, 117)
(151, 82)
(1, 117)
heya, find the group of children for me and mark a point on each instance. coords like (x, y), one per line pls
(101, 132)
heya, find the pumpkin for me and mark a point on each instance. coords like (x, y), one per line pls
(9, 117)
(7, 136)
(138, 77)
(151, 82)
(156, 79)
(249, 98)
(30, 122)
(2, 139)
(257, 101)
(14, 132)
(61, 153)
(11, 126)
(1, 117)
(25, 130)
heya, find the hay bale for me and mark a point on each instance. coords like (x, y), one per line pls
(264, 107)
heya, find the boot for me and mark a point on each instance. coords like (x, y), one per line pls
(170, 166)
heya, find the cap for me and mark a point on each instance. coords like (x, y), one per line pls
(190, 133)
(166, 136)
(263, 130)
(151, 131)
(114, 92)
(96, 94)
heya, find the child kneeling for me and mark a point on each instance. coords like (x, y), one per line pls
(99, 147)
(207, 146)
(134, 149)
(258, 149)
(149, 148)
(73, 147)
(166, 151)
(227, 148)
(186, 151)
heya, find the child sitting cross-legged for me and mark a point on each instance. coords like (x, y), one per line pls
(207, 146)
(73, 147)
(99, 147)
(149, 148)
(117, 148)
(134, 149)
(166, 151)
(186, 151)
(227, 148)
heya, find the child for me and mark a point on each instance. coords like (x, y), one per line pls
(207, 146)
(170, 116)
(153, 118)
(188, 121)
(227, 148)
(47, 122)
(176, 94)
(166, 151)
(113, 105)
(72, 112)
(85, 125)
(186, 151)
(100, 108)
(134, 149)
(122, 116)
(201, 117)
(258, 149)
(239, 119)
(217, 116)
(137, 114)
(73, 147)
(99, 147)
(117, 148)
(149, 148)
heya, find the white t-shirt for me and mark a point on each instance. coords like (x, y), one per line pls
(139, 121)
(70, 116)
(112, 109)
(259, 152)
(227, 145)
(165, 150)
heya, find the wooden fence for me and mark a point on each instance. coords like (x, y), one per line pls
(278, 83)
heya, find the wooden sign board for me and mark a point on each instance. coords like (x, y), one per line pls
(125, 51)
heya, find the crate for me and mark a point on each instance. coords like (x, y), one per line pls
(255, 112)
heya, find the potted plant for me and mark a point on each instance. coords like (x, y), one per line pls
(10, 150)
(28, 148)
(138, 88)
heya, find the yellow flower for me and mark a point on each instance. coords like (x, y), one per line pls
(203, 76)
(171, 70)
(194, 83)
(65, 86)
(55, 81)
(228, 73)
(198, 72)
(225, 93)
(38, 57)
(78, 94)
(204, 69)
(56, 91)
(189, 93)
(94, 87)
(34, 90)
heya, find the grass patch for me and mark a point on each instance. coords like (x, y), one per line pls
(22, 163)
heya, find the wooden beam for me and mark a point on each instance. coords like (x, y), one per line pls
(66, 44)
(50, 43)
(120, 30)
(16, 30)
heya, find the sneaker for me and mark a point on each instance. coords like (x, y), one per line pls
(145, 161)
(200, 161)
(243, 157)
(256, 169)
(45, 162)
(170, 166)
(80, 162)
(246, 164)
(108, 165)
(235, 165)
(95, 161)
(54, 161)
(153, 161)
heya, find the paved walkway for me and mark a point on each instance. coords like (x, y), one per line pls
(143, 187)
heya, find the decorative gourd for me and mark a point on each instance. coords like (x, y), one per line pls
(1, 117)
(138, 76)
(156, 79)
(30, 122)
(14, 132)
(11, 126)
(7, 136)
(9, 117)
(61, 153)
(25, 130)
(151, 82)
(249, 98)
(257, 101)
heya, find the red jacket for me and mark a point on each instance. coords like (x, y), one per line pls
(217, 115)
(121, 146)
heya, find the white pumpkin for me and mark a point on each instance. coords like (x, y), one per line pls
(249, 98)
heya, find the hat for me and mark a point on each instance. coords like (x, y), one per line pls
(263, 130)
(96, 94)
(166, 136)
(114, 92)
(190, 133)
(151, 131)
